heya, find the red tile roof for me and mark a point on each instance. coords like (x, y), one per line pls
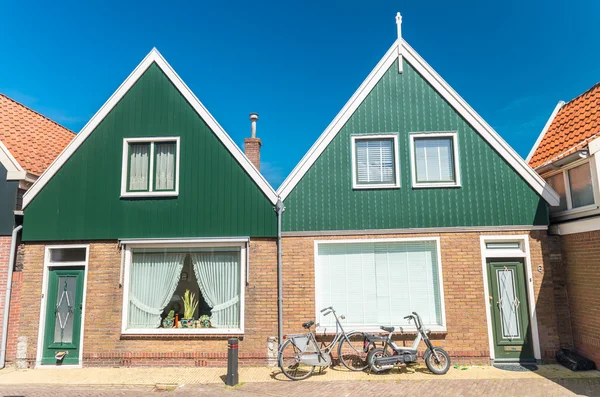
(575, 124)
(33, 140)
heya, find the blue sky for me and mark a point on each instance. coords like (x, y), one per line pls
(297, 63)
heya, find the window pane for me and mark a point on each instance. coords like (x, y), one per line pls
(67, 254)
(375, 161)
(580, 181)
(164, 174)
(65, 309)
(434, 160)
(375, 284)
(160, 279)
(557, 182)
(138, 166)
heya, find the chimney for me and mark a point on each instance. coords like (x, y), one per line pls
(252, 145)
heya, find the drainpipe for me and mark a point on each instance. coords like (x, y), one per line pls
(279, 208)
(11, 260)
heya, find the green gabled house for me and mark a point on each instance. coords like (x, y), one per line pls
(410, 201)
(150, 239)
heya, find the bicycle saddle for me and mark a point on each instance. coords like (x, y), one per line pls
(388, 329)
(308, 324)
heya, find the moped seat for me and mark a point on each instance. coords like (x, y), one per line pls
(388, 329)
(308, 324)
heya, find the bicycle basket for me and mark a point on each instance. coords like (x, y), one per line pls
(302, 342)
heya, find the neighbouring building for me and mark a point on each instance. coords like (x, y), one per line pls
(410, 201)
(29, 143)
(567, 156)
(151, 238)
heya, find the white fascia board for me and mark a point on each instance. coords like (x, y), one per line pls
(14, 171)
(153, 57)
(558, 106)
(448, 93)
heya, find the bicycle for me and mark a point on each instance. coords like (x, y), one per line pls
(300, 354)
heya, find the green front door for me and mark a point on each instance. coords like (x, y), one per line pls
(63, 316)
(509, 309)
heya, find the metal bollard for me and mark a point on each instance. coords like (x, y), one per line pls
(232, 362)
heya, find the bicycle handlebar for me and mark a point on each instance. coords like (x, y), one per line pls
(325, 314)
(327, 308)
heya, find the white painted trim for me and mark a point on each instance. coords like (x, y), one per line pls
(153, 57)
(525, 254)
(399, 29)
(437, 328)
(459, 104)
(455, 160)
(213, 243)
(463, 229)
(577, 226)
(125, 164)
(185, 241)
(14, 171)
(394, 137)
(44, 295)
(558, 106)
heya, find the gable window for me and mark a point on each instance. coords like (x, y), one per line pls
(434, 160)
(375, 161)
(574, 186)
(150, 167)
(191, 288)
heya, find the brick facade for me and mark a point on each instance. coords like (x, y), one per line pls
(466, 338)
(103, 343)
(4, 257)
(252, 150)
(582, 269)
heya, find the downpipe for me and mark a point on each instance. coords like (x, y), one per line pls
(279, 208)
(9, 276)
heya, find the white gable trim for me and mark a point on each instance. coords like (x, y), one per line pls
(153, 57)
(558, 106)
(14, 171)
(436, 81)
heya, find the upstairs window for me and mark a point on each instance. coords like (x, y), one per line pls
(150, 167)
(434, 160)
(375, 161)
(574, 186)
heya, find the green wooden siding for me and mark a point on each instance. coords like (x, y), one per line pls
(492, 193)
(216, 196)
(8, 198)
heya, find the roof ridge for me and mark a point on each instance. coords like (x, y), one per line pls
(583, 93)
(36, 112)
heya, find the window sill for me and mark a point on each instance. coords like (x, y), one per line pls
(176, 336)
(375, 187)
(435, 185)
(181, 332)
(574, 211)
(148, 194)
(409, 329)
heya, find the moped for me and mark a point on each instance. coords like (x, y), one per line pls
(382, 359)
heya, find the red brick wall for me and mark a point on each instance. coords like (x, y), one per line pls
(103, 343)
(252, 150)
(467, 335)
(4, 256)
(581, 253)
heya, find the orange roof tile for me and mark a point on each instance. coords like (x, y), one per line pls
(33, 140)
(575, 124)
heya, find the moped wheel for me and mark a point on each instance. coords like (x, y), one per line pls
(374, 354)
(352, 352)
(290, 363)
(439, 365)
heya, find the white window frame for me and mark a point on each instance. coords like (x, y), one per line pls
(125, 166)
(375, 328)
(454, 136)
(565, 172)
(216, 243)
(355, 184)
(43, 303)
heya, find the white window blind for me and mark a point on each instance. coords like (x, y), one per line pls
(434, 158)
(375, 284)
(139, 157)
(164, 166)
(375, 161)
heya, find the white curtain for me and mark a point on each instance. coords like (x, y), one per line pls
(153, 280)
(435, 159)
(165, 166)
(375, 161)
(218, 275)
(138, 166)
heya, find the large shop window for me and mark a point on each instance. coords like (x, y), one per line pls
(194, 290)
(378, 283)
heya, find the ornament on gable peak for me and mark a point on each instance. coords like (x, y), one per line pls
(399, 26)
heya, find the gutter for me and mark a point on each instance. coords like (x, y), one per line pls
(9, 275)
(279, 208)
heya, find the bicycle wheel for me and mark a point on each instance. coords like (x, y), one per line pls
(290, 364)
(352, 351)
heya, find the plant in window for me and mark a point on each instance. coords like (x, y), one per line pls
(204, 321)
(169, 320)
(190, 303)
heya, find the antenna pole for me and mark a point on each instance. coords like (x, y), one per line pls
(399, 26)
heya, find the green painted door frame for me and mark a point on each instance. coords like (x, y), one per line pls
(64, 307)
(509, 308)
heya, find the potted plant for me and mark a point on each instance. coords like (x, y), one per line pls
(190, 303)
(169, 320)
(204, 321)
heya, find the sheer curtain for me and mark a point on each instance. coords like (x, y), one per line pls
(218, 275)
(165, 166)
(138, 166)
(154, 278)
